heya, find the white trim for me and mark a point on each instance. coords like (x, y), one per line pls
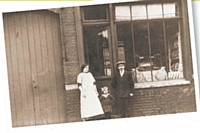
(165, 83)
(71, 87)
(146, 85)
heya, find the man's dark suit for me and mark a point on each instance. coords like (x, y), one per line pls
(123, 86)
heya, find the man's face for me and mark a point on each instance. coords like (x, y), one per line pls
(121, 66)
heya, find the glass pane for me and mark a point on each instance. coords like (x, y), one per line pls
(122, 13)
(125, 45)
(158, 51)
(154, 11)
(138, 12)
(95, 13)
(143, 64)
(169, 10)
(174, 50)
(97, 53)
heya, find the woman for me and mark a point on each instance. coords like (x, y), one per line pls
(89, 101)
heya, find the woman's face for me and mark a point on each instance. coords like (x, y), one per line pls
(86, 69)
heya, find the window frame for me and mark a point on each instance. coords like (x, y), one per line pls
(148, 21)
(84, 21)
(185, 37)
(148, 3)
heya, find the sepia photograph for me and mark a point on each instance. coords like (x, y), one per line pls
(99, 62)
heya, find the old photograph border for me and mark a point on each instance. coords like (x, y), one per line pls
(152, 124)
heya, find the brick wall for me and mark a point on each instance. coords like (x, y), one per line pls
(73, 105)
(69, 44)
(146, 102)
(166, 100)
(70, 62)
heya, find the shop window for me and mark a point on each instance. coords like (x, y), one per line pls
(97, 51)
(147, 11)
(95, 13)
(152, 50)
(151, 47)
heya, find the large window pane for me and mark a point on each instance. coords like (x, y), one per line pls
(97, 53)
(125, 45)
(95, 13)
(141, 44)
(174, 50)
(169, 10)
(154, 11)
(122, 13)
(139, 12)
(158, 51)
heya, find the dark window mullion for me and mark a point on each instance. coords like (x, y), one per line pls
(133, 43)
(165, 43)
(162, 10)
(131, 13)
(149, 44)
(98, 49)
(147, 11)
(86, 49)
(180, 46)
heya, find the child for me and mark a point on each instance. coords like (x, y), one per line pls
(106, 100)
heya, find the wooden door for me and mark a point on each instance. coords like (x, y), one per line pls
(35, 71)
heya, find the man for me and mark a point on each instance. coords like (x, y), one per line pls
(123, 84)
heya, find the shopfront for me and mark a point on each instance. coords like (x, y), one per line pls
(151, 36)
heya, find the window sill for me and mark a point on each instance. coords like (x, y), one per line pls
(162, 83)
(156, 84)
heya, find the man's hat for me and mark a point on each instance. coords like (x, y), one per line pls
(121, 62)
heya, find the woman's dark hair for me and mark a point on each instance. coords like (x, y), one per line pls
(83, 66)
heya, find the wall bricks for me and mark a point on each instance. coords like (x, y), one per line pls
(166, 100)
(73, 105)
(146, 102)
(69, 42)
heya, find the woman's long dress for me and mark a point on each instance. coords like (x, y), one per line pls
(90, 105)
